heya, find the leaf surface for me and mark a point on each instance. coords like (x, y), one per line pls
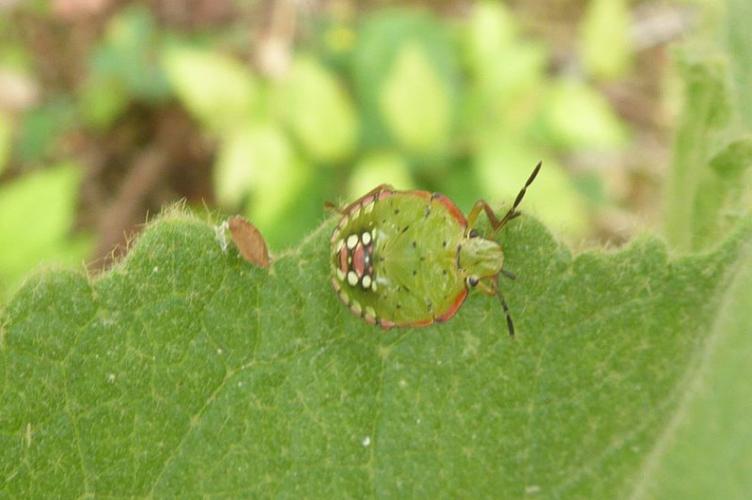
(185, 371)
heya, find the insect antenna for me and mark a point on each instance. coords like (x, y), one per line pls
(512, 213)
(505, 307)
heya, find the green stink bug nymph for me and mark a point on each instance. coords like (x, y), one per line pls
(409, 258)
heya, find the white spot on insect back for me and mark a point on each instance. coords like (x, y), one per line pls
(366, 441)
(366, 238)
(366, 281)
(352, 278)
(352, 240)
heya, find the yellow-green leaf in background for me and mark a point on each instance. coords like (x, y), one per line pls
(604, 38)
(257, 169)
(319, 111)
(578, 117)
(407, 81)
(32, 232)
(415, 102)
(506, 88)
(490, 28)
(248, 158)
(274, 197)
(379, 168)
(218, 90)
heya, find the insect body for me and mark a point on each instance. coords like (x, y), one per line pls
(409, 258)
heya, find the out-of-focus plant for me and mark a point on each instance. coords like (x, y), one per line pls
(38, 212)
(123, 67)
(708, 190)
(5, 140)
(604, 38)
(464, 106)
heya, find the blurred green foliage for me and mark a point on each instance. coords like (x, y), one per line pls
(5, 140)
(708, 190)
(38, 212)
(462, 104)
(398, 95)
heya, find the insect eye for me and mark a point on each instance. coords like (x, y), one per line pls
(472, 281)
(473, 233)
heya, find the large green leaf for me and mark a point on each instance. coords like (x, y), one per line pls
(185, 371)
(704, 451)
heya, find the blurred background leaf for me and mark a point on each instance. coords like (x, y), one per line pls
(318, 111)
(605, 42)
(739, 12)
(217, 90)
(32, 231)
(404, 72)
(270, 108)
(5, 141)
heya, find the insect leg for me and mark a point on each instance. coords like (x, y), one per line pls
(505, 307)
(472, 217)
(493, 289)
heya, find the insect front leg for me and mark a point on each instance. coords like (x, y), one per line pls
(479, 206)
(497, 223)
